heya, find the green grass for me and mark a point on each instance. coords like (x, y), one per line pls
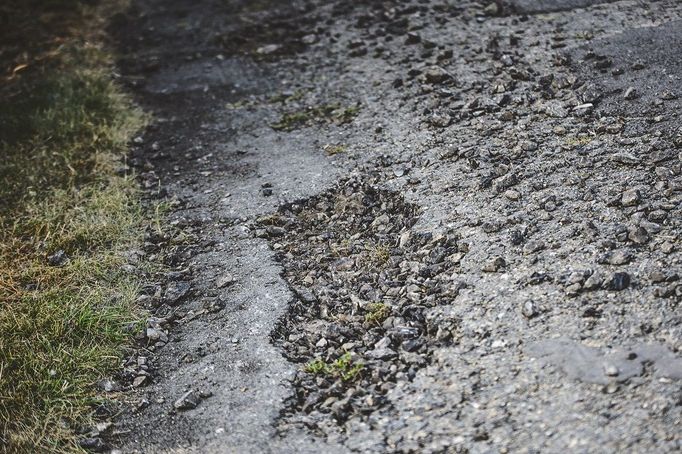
(343, 368)
(326, 113)
(377, 313)
(332, 150)
(64, 126)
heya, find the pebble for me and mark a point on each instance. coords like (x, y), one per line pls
(381, 354)
(156, 335)
(187, 401)
(436, 75)
(619, 257)
(59, 258)
(225, 280)
(631, 197)
(493, 265)
(268, 49)
(528, 309)
(638, 235)
(413, 38)
(630, 93)
(610, 370)
(594, 281)
(176, 291)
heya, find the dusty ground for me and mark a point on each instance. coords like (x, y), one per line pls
(463, 217)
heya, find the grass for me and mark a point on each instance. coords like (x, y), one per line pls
(326, 113)
(332, 150)
(377, 313)
(64, 127)
(343, 368)
(381, 255)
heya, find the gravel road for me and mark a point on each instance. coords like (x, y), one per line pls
(409, 226)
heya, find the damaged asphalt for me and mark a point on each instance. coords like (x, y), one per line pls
(408, 226)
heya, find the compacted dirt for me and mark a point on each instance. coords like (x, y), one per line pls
(415, 226)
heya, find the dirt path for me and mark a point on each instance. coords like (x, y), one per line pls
(464, 219)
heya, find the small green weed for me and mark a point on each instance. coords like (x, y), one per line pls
(381, 254)
(342, 367)
(332, 150)
(321, 114)
(377, 313)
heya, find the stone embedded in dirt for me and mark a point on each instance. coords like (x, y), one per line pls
(492, 9)
(657, 216)
(187, 401)
(505, 182)
(213, 305)
(139, 381)
(108, 385)
(626, 158)
(594, 282)
(440, 120)
(638, 235)
(381, 353)
(512, 195)
(667, 247)
(610, 370)
(310, 39)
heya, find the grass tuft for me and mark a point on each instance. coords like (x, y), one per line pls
(343, 368)
(377, 313)
(326, 113)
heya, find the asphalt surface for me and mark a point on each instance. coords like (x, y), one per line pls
(478, 203)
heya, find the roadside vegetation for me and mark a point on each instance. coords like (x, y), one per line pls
(66, 218)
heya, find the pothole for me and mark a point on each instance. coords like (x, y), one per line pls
(369, 293)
